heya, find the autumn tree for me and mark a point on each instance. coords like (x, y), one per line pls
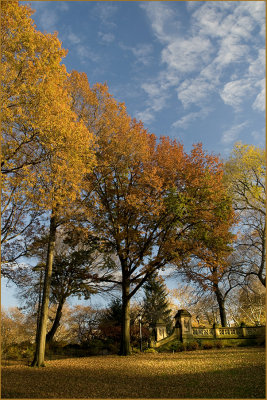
(45, 146)
(146, 197)
(208, 262)
(245, 177)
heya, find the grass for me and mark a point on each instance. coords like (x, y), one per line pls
(222, 373)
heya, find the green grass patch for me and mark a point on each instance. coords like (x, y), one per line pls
(218, 373)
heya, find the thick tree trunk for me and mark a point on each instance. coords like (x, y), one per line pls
(50, 335)
(125, 338)
(221, 304)
(41, 329)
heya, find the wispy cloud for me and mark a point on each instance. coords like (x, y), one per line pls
(49, 17)
(186, 120)
(86, 54)
(105, 11)
(106, 37)
(232, 134)
(162, 19)
(73, 38)
(259, 103)
(187, 55)
(142, 52)
(235, 92)
(195, 91)
(215, 56)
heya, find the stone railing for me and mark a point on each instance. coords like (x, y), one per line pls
(201, 332)
(185, 332)
(234, 332)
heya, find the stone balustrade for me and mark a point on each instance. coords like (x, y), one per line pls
(185, 332)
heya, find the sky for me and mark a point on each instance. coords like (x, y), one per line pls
(191, 70)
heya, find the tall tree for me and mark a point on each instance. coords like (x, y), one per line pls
(245, 176)
(44, 144)
(145, 198)
(208, 262)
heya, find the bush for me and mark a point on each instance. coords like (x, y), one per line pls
(171, 347)
(218, 344)
(192, 346)
(150, 350)
(207, 345)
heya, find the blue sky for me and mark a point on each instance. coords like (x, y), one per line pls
(194, 71)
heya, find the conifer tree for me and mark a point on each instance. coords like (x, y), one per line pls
(156, 304)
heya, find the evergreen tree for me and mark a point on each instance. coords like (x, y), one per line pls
(156, 305)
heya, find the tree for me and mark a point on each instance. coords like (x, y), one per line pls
(202, 305)
(111, 323)
(210, 267)
(80, 265)
(44, 144)
(83, 324)
(248, 304)
(30, 60)
(245, 176)
(148, 199)
(156, 304)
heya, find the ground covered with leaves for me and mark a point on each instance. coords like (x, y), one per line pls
(223, 373)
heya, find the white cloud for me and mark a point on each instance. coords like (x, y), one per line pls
(145, 116)
(187, 120)
(73, 38)
(106, 37)
(257, 67)
(214, 55)
(85, 53)
(142, 52)
(48, 16)
(162, 20)
(234, 93)
(231, 135)
(156, 97)
(187, 55)
(231, 51)
(194, 91)
(259, 103)
(105, 12)
(48, 19)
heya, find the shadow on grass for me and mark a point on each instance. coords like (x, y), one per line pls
(63, 383)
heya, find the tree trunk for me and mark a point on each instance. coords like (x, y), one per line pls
(41, 329)
(125, 338)
(50, 335)
(221, 304)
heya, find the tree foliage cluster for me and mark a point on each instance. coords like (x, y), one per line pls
(97, 200)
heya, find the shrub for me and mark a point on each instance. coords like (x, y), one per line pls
(181, 346)
(207, 345)
(153, 351)
(218, 344)
(135, 350)
(192, 346)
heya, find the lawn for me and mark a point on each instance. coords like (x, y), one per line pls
(223, 373)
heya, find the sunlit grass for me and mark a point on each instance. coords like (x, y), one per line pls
(226, 373)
